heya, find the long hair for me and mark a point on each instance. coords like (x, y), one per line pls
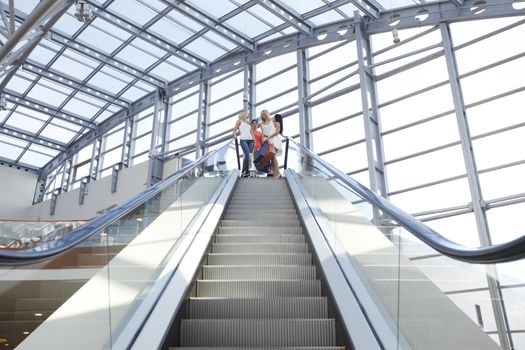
(279, 118)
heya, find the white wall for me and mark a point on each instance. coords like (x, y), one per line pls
(17, 188)
(131, 181)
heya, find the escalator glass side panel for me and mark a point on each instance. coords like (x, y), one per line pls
(82, 299)
(429, 300)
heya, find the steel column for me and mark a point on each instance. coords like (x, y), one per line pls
(303, 88)
(203, 118)
(249, 91)
(374, 143)
(478, 204)
(158, 132)
(95, 159)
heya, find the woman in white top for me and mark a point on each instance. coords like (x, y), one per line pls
(244, 129)
(271, 130)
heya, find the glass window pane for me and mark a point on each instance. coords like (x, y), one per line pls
(24, 123)
(134, 10)
(502, 182)
(57, 133)
(34, 158)
(498, 149)
(505, 223)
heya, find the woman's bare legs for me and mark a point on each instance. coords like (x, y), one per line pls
(275, 168)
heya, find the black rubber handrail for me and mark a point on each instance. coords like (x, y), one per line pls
(53, 248)
(497, 253)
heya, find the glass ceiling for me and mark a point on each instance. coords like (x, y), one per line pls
(69, 76)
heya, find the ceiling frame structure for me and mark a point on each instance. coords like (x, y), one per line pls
(247, 51)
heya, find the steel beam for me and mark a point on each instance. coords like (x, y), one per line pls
(374, 142)
(73, 83)
(39, 14)
(478, 204)
(203, 119)
(13, 164)
(214, 25)
(27, 102)
(94, 166)
(303, 89)
(37, 140)
(249, 91)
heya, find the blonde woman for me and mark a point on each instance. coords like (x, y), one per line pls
(243, 127)
(271, 130)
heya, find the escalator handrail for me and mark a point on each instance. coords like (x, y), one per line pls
(497, 253)
(97, 224)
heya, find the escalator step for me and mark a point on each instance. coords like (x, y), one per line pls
(260, 259)
(260, 273)
(258, 238)
(260, 308)
(254, 332)
(260, 248)
(258, 289)
(270, 230)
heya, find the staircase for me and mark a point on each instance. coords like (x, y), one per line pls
(259, 288)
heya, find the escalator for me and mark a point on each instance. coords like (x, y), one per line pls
(204, 260)
(258, 286)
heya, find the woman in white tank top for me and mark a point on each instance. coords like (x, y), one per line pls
(270, 131)
(244, 129)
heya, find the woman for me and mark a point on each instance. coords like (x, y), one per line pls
(244, 128)
(271, 130)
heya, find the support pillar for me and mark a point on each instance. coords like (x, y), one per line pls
(374, 142)
(478, 206)
(305, 115)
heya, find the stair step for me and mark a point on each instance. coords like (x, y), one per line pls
(250, 332)
(258, 238)
(271, 230)
(262, 348)
(261, 308)
(249, 211)
(260, 259)
(259, 248)
(260, 273)
(262, 222)
(255, 216)
(258, 289)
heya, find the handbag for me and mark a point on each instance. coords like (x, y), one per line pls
(262, 157)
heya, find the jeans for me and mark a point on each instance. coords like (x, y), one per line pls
(247, 147)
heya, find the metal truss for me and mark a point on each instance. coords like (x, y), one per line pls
(38, 140)
(339, 31)
(151, 38)
(212, 24)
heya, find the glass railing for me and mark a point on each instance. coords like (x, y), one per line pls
(83, 297)
(421, 298)
(19, 235)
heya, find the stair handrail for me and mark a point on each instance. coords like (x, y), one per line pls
(496, 253)
(95, 225)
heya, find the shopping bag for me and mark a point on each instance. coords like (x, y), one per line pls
(262, 157)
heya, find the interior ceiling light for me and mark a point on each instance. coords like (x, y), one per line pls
(83, 11)
(395, 34)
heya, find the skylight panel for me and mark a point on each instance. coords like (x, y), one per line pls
(136, 57)
(72, 68)
(26, 6)
(68, 23)
(98, 39)
(42, 93)
(167, 71)
(25, 123)
(302, 7)
(57, 133)
(9, 151)
(204, 48)
(220, 41)
(173, 32)
(348, 10)
(81, 108)
(43, 150)
(104, 25)
(34, 158)
(326, 17)
(103, 116)
(133, 10)
(133, 93)
(31, 113)
(184, 20)
(18, 84)
(248, 24)
(149, 48)
(266, 15)
(215, 8)
(41, 55)
(66, 125)
(181, 64)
